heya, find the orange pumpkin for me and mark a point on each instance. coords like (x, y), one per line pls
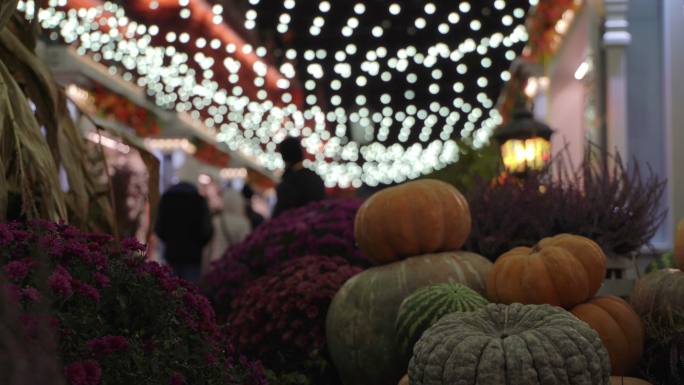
(679, 245)
(404, 380)
(419, 217)
(620, 328)
(564, 270)
(615, 380)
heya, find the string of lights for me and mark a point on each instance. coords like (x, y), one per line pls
(387, 89)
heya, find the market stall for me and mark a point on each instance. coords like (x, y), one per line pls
(504, 277)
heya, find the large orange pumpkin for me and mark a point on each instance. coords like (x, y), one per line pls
(615, 380)
(564, 270)
(414, 218)
(679, 245)
(620, 328)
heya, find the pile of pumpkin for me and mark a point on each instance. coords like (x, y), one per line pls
(447, 317)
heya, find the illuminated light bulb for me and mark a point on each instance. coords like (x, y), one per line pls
(361, 81)
(499, 4)
(377, 31)
(319, 21)
(507, 20)
(411, 78)
(171, 37)
(462, 69)
(324, 6)
(519, 13)
(185, 13)
(434, 88)
(283, 83)
(420, 23)
(486, 62)
(353, 22)
(316, 70)
(289, 4)
(475, 25)
(443, 28)
(184, 38)
(350, 49)
(464, 7)
(505, 76)
(437, 74)
(394, 9)
(381, 52)
(454, 18)
(359, 8)
(430, 8)
(347, 31)
(314, 31)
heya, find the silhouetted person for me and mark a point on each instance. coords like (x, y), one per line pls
(231, 226)
(298, 185)
(255, 219)
(184, 224)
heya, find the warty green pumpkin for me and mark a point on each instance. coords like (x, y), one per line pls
(512, 345)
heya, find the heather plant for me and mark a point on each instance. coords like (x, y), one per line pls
(118, 319)
(320, 228)
(280, 317)
(616, 206)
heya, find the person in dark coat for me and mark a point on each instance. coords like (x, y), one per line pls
(184, 225)
(298, 185)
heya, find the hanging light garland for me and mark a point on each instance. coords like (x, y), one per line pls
(374, 107)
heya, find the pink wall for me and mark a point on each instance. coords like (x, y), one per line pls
(567, 96)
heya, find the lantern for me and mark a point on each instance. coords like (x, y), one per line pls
(525, 143)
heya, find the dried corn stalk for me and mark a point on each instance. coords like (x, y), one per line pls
(7, 9)
(33, 146)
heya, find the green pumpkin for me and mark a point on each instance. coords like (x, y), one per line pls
(510, 344)
(360, 326)
(426, 306)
